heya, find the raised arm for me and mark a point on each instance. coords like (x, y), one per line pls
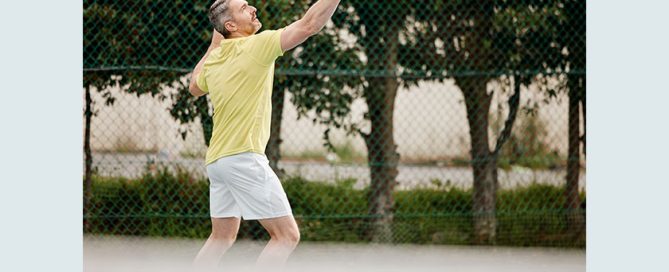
(215, 43)
(312, 22)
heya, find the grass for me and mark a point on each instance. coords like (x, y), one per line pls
(193, 154)
(345, 153)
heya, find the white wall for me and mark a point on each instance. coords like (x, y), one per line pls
(430, 123)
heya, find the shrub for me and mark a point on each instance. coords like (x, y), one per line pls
(165, 204)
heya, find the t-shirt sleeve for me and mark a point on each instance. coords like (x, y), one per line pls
(201, 81)
(266, 46)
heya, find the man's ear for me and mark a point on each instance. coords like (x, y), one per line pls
(230, 26)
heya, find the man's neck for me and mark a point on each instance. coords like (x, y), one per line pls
(237, 35)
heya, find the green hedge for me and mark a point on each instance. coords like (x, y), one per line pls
(165, 204)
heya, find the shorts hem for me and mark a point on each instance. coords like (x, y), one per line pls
(225, 215)
(260, 217)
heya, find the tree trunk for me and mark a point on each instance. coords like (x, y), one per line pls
(382, 150)
(273, 150)
(484, 196)
(88, 159)
(582, 99)
(383, 160)
(575, 218)
(484, 164)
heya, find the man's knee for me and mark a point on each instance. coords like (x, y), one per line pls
(291, 237)
(223, 236)
(294, 236)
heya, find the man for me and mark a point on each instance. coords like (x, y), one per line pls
(237, 72)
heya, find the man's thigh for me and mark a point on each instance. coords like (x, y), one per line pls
(282, 226)
(226, 226)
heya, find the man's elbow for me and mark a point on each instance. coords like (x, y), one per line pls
(194, 90)
(315, 31)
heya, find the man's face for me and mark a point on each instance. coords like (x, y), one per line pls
(244, 17)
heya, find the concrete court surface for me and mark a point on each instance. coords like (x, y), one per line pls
(114, 253)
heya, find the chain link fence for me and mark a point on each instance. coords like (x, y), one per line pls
(429, 122)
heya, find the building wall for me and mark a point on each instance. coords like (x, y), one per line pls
(430, 123)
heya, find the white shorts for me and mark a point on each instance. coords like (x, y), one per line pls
(244, 185)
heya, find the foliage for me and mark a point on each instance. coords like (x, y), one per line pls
(166, 204)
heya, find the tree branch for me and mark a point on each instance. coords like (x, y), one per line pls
(514, 102)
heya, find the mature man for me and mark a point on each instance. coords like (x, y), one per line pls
(237, 72)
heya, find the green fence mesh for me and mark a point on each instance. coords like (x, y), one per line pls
(440, 122)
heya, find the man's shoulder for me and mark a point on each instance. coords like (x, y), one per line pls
(266, 33)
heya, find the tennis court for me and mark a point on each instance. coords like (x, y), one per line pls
(120, 253)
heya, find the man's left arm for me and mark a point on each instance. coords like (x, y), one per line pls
(311, 23)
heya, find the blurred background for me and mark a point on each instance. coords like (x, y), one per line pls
(402, 122)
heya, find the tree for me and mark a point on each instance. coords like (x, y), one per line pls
(376, 27)
(130, 45)
(485, 41)
(297, 71)
(573, 39)
(143, 46)
(399, 40)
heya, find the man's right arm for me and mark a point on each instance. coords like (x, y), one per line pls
(311, 23)
(215, 43)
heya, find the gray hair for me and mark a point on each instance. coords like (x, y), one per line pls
(218, 15)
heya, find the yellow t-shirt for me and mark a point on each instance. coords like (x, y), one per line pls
(238, 77)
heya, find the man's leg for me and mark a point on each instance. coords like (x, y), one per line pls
(223, 235)
(284, 238)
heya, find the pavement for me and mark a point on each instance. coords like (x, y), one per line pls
(119, 253)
